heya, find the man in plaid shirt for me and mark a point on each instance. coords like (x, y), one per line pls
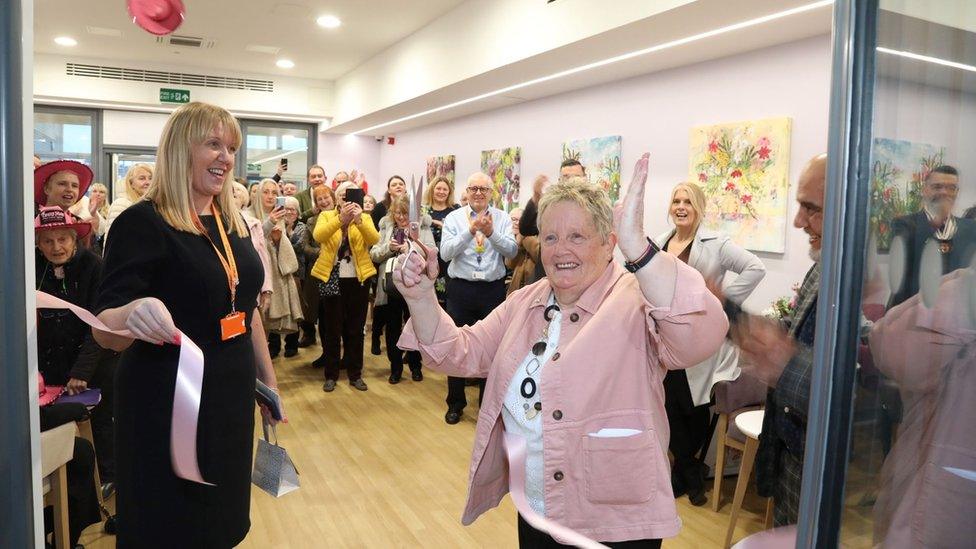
(781, 355)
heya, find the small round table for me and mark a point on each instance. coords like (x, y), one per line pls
(750, 424)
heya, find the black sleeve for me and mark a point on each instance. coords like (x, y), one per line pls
(379, 212)
(55, 415)
(89, 351)
(528, 225)
(135, 249)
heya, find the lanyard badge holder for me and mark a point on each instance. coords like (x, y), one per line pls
(231, 325)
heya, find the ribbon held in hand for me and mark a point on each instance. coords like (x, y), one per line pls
(186, 397)
(515, 449)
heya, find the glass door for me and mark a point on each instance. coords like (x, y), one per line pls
(118, 161)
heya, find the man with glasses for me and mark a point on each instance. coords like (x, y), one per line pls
(934, 226)
(476, 239)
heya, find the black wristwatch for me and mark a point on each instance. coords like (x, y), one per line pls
(649, 253)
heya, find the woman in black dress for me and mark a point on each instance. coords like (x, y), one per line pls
(170, 264)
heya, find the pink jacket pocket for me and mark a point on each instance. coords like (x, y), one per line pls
(620, 470)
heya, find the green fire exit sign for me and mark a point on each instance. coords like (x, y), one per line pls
(167, 95)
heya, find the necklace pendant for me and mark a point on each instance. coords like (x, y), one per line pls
(945, 246)
(539, 348)
(531, 413)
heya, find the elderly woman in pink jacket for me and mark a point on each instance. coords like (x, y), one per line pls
(574, 366)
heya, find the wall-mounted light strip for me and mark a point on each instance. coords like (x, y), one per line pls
(611, 60)
(928, 59)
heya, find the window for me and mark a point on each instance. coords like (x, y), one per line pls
(267, 144)
(67, 134)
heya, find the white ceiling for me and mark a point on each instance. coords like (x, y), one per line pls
(369, 27)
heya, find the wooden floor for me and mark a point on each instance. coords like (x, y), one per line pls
(382, 469)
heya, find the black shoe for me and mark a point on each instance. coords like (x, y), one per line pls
(359, 384)
(306, 341)
(290, 353)
(417, 375)
(274, 354)
(329, 385)
(677, 485)
(108, 490)
(697, 498)
(452, 417)
(375, 348)
(319, 362)
(394, 379)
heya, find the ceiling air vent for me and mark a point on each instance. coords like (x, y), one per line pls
(162, 77)
(185, 41)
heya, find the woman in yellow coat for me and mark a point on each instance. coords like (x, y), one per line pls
(343, 270)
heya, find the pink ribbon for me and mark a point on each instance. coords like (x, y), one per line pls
(515, 448)
(186, 397)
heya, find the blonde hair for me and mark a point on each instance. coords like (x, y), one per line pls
(238, 186)
(695, 195)
(170, 191)
(429, 193)
(257, 204)
(103, 211)
(130, 176)
(400, 204)
(591, 198)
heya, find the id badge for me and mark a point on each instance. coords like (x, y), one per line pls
(232, 326)
(478, 275)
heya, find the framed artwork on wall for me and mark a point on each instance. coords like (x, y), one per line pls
(601, 158)
(440, 166)
(504, 167)
(743, 168)
(898, 170)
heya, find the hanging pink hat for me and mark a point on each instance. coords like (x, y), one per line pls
(47, 394)
(158, 17)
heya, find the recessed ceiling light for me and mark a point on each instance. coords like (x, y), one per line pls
(285, 63)
(328, 21)
(65, 41)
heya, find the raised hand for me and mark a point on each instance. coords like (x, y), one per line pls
(415, 272)
(629, 213)
(347, 212)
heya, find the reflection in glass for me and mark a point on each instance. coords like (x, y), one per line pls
(911, 479)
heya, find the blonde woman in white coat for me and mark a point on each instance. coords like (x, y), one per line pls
(687, 393)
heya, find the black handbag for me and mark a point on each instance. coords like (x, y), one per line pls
(392, 293)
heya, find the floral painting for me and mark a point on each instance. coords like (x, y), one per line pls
(898, 170)
(743, 167)
(601, 158)
(440, 166)
(503, 166)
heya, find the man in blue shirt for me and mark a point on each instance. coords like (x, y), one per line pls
(476, 239)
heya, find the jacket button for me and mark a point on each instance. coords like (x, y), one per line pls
(557, 415)
(555, 357)
(558, 475)
(574, 317)
(786, 409)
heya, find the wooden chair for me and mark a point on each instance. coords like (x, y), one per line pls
(57, 449)
(732, 398)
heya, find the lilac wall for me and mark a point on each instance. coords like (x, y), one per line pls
(653, 112)
(351, 152)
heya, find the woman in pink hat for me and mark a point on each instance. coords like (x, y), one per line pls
(67, 355)
(62, 183)
(181, 261)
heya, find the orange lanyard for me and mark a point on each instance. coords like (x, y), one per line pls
(230, 266)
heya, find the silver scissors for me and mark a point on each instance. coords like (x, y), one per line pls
(415, 194)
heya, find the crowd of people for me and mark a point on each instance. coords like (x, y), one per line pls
(600, 367)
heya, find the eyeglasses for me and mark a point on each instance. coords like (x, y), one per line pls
(479, 190)
(947, 187)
